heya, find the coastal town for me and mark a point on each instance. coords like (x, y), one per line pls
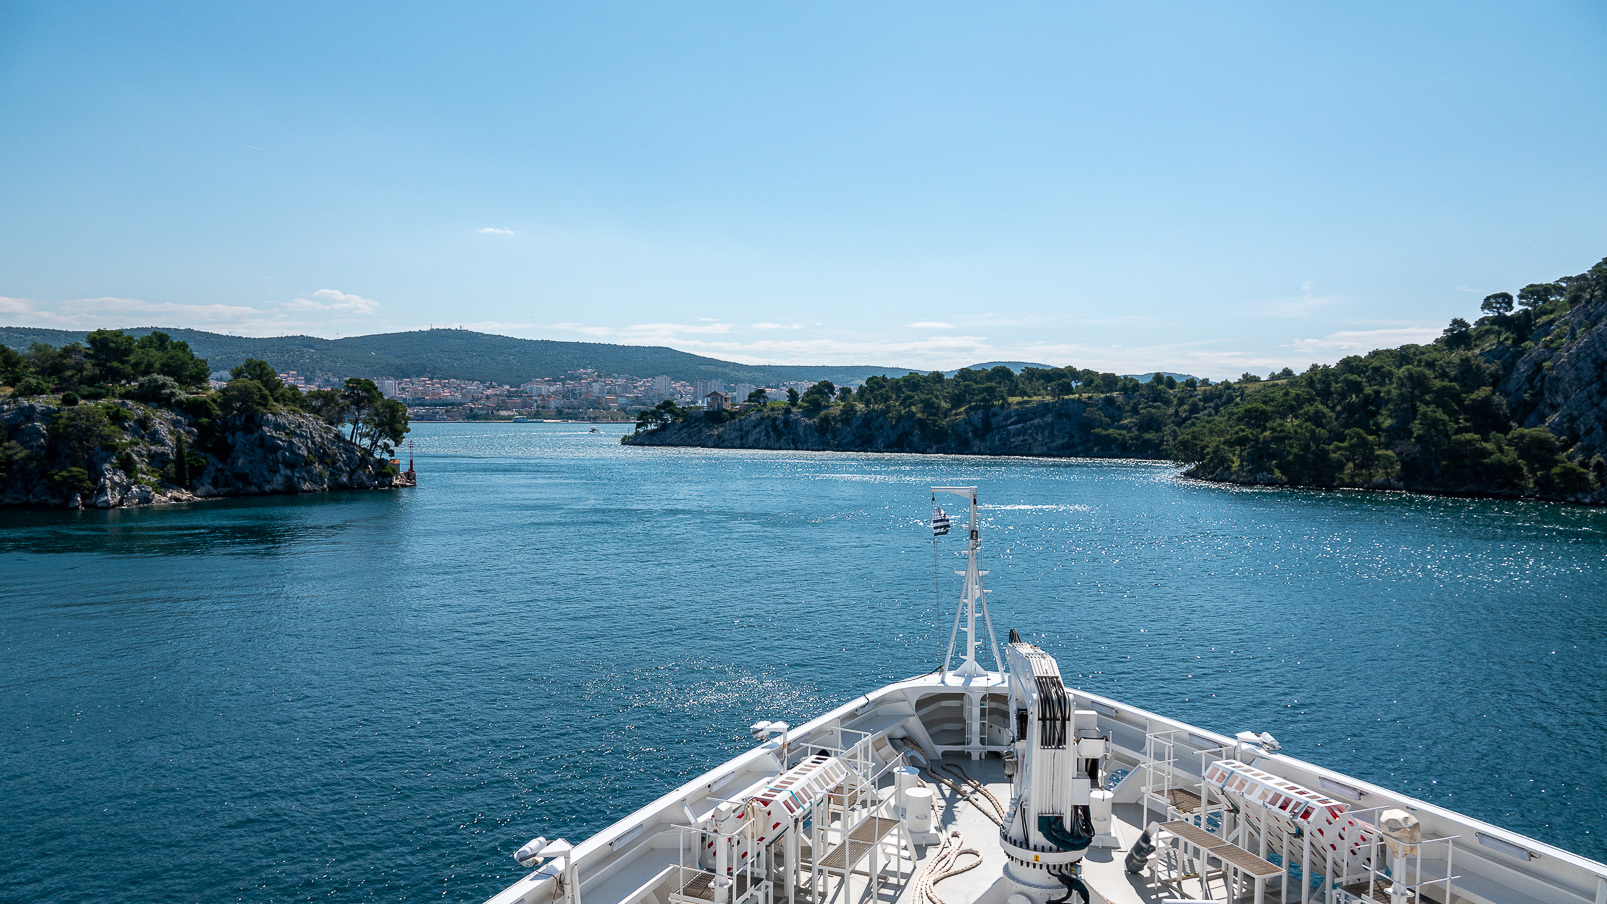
(579, 395)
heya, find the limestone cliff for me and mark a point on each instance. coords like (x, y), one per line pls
(123, 453)
(1070, 428)
(1558, 378)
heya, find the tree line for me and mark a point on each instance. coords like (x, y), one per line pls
(1425, 417)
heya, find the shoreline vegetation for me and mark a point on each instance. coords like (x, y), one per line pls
(1510, 405)
(121, 421)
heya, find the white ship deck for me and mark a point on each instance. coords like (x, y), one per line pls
(640, 859)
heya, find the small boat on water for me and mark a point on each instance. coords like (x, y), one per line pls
(520, 419)
(1001, 785)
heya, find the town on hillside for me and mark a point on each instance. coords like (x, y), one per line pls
(581, 395)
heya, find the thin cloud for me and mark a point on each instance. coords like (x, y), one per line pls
(931, 325)
(494, 230)
(777, 326)
(1360, 342)
(658, 333)
(1302, 305)
(109, 312)
(334, 300)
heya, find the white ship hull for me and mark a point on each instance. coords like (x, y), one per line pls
(639, 860)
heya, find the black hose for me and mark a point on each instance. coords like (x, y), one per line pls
(1138, 857)
(1074, 886)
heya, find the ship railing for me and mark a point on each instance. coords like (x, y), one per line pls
(849, 745)
(851, 824)
(837, 826)
(1177, 792)
(746, 870)
(1383, 869)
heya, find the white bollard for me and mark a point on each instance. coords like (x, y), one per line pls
(918, 814)
(904, 778)
(1099, 807)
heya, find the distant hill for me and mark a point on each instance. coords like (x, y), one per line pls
(462, 355)
(1019, 366)
(1015, 366)
(1145, 378)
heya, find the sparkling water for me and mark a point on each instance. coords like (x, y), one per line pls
(379, 696)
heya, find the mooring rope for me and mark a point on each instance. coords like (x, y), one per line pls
(945, 864)
(959, 770)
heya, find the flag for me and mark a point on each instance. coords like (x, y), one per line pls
(940, 522)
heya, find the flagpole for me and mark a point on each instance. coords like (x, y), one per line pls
(937, 597)
(974, 597)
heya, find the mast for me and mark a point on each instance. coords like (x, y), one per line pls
(973, 601)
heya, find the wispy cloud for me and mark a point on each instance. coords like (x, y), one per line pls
(334, 300)
(931, 325)
(318, 315)
(777, 326)
(494, 230)
(1360, 342)
(1307, 302)
(645, 332)
(110, 311)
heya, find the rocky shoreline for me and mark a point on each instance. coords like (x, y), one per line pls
(1042, 430)
(123, 453)
(1061, 429)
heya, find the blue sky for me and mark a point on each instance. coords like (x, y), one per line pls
(1206, 188)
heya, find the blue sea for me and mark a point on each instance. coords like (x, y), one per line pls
(378, 696)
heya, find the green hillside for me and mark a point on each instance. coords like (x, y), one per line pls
(1511, 404)
(460, 354)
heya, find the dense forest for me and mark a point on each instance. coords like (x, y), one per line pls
(1511, 403)
(94, 402)
(458, 355)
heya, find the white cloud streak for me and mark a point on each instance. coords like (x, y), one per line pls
(334, 300)
(320, 313)
(656, 333)
(494, 230)
(1360, 342)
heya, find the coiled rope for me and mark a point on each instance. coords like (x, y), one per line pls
(945, 864)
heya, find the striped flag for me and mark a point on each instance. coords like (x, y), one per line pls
(940, 522)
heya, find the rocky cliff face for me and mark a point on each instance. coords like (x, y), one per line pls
(1064, 429)
(113, 454)
(1560, 381)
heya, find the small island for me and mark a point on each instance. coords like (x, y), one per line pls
(117, 421)
(1513, 404)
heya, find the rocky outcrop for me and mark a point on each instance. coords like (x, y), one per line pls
(122, 453)
(1558, 379)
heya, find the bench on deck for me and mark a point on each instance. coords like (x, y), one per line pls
(698, 888)
(868, 837)
(1236, 861)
